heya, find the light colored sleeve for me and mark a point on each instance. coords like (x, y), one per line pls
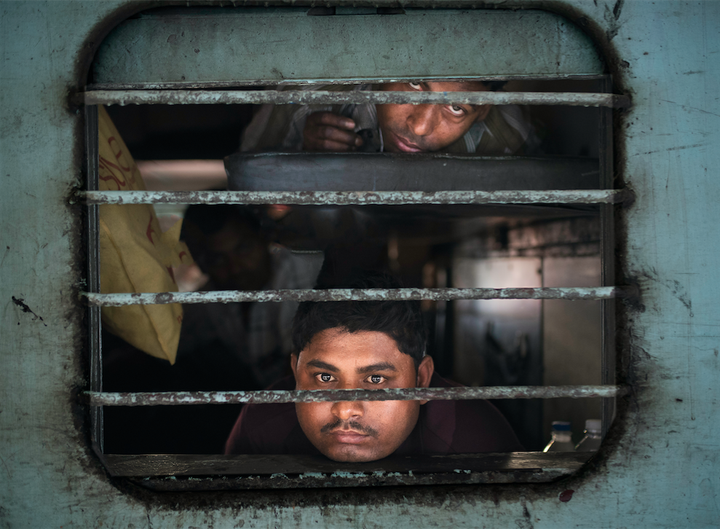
(279, 127)
(504, 131)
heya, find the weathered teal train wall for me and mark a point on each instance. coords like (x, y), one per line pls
(663, 467)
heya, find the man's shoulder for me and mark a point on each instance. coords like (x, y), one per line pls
(508, 129)
(466, 426)
(261, 429)
(264, 428)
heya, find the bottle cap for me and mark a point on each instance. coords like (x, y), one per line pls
(561, 426)
(594, 425)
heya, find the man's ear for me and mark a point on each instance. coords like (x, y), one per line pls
(424, 373)
(482, 112)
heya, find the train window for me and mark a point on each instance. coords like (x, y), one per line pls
(511, 251)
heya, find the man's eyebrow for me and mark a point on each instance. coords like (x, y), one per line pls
(322, 365)
(382, 366)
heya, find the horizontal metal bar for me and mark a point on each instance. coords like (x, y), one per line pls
(356, 198)
(373, 294)
(317, 97)
(236, 84)
(279, 397)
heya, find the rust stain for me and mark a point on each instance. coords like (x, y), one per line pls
(334, 295)
(20, 302)
(279, 397)
(359, 198)
(294, 97)
(566, 495)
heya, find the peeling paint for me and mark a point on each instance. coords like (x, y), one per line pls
(356, 198)
(23, 306)
(333, 295)
(319, 97)
(326, 395)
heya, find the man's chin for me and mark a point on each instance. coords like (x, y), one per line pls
(348, 454)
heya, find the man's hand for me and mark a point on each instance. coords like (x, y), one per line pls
(325, 131)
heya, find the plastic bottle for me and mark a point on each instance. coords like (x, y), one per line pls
(593, 436)
(561, 438)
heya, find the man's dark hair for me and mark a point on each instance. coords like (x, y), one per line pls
(211, 219)
(201, 222)
(401, 320)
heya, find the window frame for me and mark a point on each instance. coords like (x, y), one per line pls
(486, 468)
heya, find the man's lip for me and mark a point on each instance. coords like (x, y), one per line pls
(349, 436)
(404, 145)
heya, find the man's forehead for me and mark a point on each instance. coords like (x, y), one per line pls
(359, 366)
(340, 347)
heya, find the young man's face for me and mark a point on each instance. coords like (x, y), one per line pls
(236, 257)
(357, 430)
(428, 128)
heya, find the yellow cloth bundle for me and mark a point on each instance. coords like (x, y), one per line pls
(135, 255)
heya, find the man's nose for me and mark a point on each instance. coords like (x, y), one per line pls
(347, 410)
(422, 119)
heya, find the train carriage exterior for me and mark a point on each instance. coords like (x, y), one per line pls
(659, 464)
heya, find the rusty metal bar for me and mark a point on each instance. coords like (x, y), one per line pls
(356, 198)
(373, 294)
(176, 398)
(317, 97)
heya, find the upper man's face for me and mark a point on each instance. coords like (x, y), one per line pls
(428, 128)
(357, 430)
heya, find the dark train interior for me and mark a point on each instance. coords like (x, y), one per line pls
(476, 343)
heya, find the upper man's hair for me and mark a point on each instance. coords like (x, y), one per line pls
(494, 86)
(401, 320)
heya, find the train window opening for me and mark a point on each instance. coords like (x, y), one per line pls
(518, 244)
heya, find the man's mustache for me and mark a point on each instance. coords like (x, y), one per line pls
(339, 424)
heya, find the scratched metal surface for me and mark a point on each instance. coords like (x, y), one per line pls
(256, 97)
(342, 47)
(660, 465)
(330, 295)
(277, 396)
(335, 198)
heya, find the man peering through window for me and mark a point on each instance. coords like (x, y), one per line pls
(234, 251)
(456, 128)
(366, 345)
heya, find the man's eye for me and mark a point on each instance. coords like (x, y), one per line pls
(415, 86)
(376, 379)
(324, 377)
(457, 110)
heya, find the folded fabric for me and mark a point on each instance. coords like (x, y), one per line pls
(135, 255)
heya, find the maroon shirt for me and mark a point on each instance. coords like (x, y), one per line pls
(443, 427)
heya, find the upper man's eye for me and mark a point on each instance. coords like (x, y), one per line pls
(324, 377)
(457, 110)
(415, 86)
(376, 379)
